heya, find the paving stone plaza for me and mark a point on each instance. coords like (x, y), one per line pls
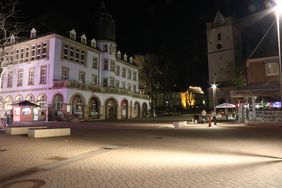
(144, 154)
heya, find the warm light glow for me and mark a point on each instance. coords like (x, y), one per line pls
(278, 7)
(213, 86)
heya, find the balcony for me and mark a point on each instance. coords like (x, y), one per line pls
(98, 89)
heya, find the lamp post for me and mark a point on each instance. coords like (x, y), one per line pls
(213, 94)
(278, 11)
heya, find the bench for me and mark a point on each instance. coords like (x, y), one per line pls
(43, 133)
(20, 130)
(178, 124)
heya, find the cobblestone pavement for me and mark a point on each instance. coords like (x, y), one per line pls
(144, 154)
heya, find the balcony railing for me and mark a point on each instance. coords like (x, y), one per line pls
(98, 89)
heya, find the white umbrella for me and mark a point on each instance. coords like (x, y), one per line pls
(226, 105)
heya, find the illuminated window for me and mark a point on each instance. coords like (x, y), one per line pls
(271, 69)
(42, 100)
(20, 77)
(43, 75)
(129, 86)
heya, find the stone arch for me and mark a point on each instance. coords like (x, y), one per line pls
(30, 98)
(8, 103)
(18, 98)
(137, 110)
(42, 102)
(77, 103)
(144, 109)
(58, 100)
(94, 105)
(124, 109)
(111, 108)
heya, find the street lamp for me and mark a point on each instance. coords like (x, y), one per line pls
(213, 86)
(278, 11)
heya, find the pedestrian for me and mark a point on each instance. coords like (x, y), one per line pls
(214, 117)
(204, 116)
(209, 119)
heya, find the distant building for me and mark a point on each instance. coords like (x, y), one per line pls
(73, 76)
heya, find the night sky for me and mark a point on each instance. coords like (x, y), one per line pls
(175, 28)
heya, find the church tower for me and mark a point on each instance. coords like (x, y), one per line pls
(224, 56)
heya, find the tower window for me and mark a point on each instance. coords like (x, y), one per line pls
(219, 36)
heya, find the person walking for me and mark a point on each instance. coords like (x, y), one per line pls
(214, 117)
(204, 116)
(209, 120)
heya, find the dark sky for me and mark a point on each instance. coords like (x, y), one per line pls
(175, 28)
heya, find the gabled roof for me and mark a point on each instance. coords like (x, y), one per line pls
(219, 18)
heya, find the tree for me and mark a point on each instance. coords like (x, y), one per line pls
(10, 27)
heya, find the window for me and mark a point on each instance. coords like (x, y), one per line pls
(42, 101)
(58, 102)
(94, 79)
(32, 52)
(117, 70)
(106, 64)
(66, 51)
(82, 57)
(219, 36)
(129, 86)
(112, 81)
(71, 53)
(123, 85)
(44, 50)
(43, 75)
(65, 73)
(134, 88)
(105, 82)
(26, 54)
(123, 72)
(112, 68)
(129, 74)
(20, 77)
(94, 62)
(117, 84)
(31, 76)
(22, 55)
(38, 51)
(271, 69)
(17, 55)
(134, 76)
(77, 55)
(30, 98)
(81, 78)
(106, 48)
(10, 79)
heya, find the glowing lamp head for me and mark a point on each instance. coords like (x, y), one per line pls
(278, 7)
(213, 86)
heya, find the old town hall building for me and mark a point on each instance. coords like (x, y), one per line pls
(72, 76)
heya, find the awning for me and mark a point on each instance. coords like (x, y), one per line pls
(226, 105)
(26, 103)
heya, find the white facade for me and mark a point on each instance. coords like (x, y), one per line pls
(76, 79)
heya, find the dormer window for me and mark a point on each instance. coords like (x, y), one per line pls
(73, 34)
(118, 54)
(33, 33)
(131, 60)
(125, 57)
(93, 43)
(12, 39)
(83, 39)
